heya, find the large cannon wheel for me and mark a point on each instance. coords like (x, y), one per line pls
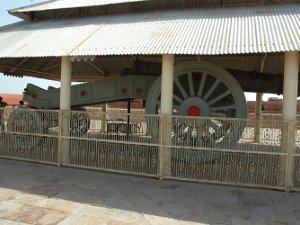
(206, 90)
(23, 126)
(80, 121)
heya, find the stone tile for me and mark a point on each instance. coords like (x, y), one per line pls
(9, 222)
(195, 223)
(297, 214)
(124, 215)
(175, 209)
(228, 210)
(258, 212)
(6, 194)
(290, 200)
(145, 205)
(183, 195)
(285, 216)
(191, 218)
(214, 212)
(44, 190)
(255, 199)
(7, 207)
(90, 210)
(61, 205)
(195, 206)
(83, 220)
(79, 197)
(211, 218)
(157, 220)
(226, 198)
(94, 198)
(275, 222)
(35, 215)
(158, 195)
(33, 200)
(119, 223)
(240, 221)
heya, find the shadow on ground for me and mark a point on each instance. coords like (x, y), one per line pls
(150, 201)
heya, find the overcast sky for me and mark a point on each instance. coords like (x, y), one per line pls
(12, 85)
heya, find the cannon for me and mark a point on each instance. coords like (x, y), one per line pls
(200, 89)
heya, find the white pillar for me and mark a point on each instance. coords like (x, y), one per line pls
(289, 111)
(167, 85)
(166, 109)
(65, 106)
(290, 85)
(258, 105)
(66, 77)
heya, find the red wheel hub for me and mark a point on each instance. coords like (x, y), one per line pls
(194, 111)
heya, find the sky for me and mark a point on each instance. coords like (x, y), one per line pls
(13, 85)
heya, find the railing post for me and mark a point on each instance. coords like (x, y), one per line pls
(59, 141)
(63, 149)
(258, 109)
(165, 150)
(289, 169)
(103, 119)
(1, 118)
(65, 132)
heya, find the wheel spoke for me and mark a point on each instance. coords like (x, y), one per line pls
(211, 89)
(201, 87)
(191, 84)
(218, 98)
(177, 99)
(222, 108)
(181, 89)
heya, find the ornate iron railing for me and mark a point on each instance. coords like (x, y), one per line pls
(28, 134)
(218, 150)
(113, 141)
(296, 158)
(225, 151)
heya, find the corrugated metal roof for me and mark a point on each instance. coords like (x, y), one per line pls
(259, 29)
(65, 4)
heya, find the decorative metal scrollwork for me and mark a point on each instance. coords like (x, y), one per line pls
(79, 122)
(206, 90)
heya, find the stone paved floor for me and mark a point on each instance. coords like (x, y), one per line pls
(46, 195)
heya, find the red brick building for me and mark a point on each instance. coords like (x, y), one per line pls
(12, 99)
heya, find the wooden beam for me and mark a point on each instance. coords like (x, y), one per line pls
(102, 66)
(33, 72)
(18, 65)
(44, 67)
(96, 68)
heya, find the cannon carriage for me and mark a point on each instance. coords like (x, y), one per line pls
(200, 89)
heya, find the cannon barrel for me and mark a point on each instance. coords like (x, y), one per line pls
(250, 81)
(259, 82)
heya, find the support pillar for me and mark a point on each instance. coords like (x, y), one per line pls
(258, 116)
(103, 119)
(65, 106)
(66, 77)
(290, 86)
(167, 85)
(128, 130)
(289, 111)
(258, 105)
(166, 109)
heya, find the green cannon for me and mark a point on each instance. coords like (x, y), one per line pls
(200, 89)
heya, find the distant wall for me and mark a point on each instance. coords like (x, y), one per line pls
(270, 106)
